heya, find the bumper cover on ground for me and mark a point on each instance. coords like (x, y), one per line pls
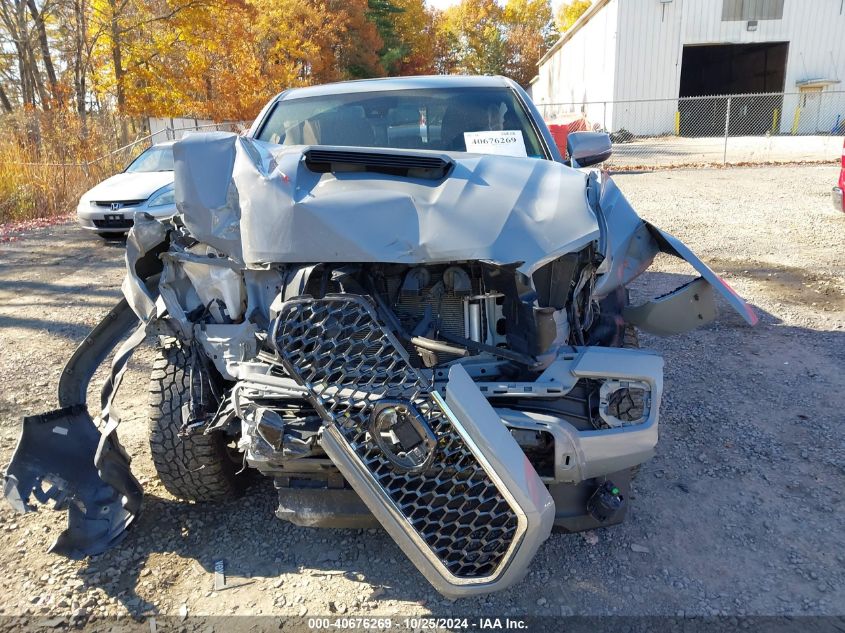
(55, 460)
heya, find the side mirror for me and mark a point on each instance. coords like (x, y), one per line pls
(587, 148)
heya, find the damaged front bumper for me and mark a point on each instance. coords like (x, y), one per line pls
(587, 453)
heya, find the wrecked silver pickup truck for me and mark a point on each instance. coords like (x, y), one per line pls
(398, 301)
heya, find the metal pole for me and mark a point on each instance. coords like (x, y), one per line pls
(727, 127)
(604, 117)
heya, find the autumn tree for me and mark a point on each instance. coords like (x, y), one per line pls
(226, 61)
(569, 12)
(475, 36)
(23, 31)
(222, 59)
(407, 30)
(529, 34)
(357, 42)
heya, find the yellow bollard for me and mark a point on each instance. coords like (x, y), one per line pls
(677, 123)
(796, 121)
(775, 120)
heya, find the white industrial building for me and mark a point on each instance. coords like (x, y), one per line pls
(631, 64)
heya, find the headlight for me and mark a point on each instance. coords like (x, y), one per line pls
(624, 402)
(163, 198)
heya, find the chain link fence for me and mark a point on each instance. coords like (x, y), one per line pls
(806, 126)
(44, 170)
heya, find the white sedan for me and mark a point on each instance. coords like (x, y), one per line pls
(146, 185)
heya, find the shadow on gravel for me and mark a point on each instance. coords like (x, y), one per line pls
(47, 289)
(73, 331)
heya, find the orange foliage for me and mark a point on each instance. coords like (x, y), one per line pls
(224, 59)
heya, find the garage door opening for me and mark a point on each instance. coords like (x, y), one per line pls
(732, 69)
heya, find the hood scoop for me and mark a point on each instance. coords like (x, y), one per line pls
(409, 164)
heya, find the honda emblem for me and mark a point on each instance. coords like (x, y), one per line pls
(115, 206)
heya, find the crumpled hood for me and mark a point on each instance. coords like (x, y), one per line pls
(130, 186)
(260, 204)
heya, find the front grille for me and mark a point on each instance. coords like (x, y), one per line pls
(116, 223)
(338, 350)
(107, 204)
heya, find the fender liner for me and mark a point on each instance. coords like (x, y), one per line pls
(61, 455)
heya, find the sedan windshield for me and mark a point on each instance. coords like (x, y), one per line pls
(481, 120)
(154, 159)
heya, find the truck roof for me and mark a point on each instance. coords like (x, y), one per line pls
(398, 83)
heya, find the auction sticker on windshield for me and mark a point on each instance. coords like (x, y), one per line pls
(499, 142)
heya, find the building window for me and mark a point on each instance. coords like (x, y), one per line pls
(742, 10)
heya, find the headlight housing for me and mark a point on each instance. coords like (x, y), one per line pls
(163, 198)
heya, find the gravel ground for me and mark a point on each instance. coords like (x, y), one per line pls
(739, 513)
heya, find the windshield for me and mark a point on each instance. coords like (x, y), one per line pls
(154, 159)
(481, 120)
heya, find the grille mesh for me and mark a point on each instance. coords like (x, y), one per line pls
(337, 349)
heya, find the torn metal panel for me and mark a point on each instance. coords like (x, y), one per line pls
(217, 284)
(682, 310)
(205, 195)
(671, 245)
(495, 208)
(630, 245)
(626, 243)
(146, 241)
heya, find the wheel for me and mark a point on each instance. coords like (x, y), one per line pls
(196, 467)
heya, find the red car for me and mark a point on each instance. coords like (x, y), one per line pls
(839, 188)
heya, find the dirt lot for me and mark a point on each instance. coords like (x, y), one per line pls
(741, 512)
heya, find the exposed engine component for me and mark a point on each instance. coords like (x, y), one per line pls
(449, 303)
(272, 436)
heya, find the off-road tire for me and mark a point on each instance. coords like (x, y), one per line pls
(195, 467)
